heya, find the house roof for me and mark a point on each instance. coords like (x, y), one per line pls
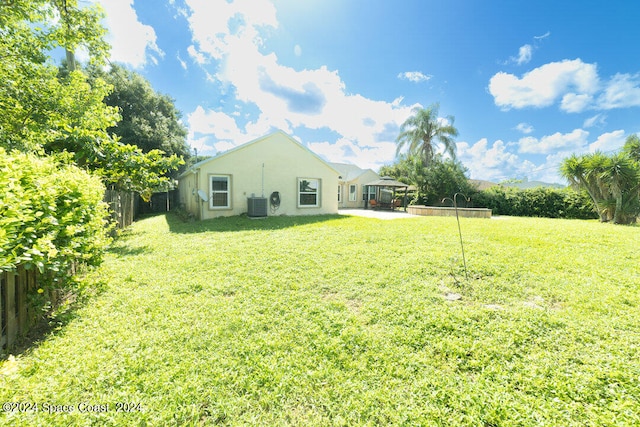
(349, 172)
(255, 141)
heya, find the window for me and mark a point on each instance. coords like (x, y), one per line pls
(368, 192)
(352, 192)
(308, 192)
(339, 193)
(219, 192)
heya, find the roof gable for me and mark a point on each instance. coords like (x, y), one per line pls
(350, 172)
(258, 141)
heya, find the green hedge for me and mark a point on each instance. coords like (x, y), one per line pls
(536, 202)
(51, 216)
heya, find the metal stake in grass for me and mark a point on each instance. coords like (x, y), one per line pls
(455, 206)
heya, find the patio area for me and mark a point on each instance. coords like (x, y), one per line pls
(379, 214)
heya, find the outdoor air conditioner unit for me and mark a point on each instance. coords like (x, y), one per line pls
(257, 207)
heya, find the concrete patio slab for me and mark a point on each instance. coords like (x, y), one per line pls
(370, 213)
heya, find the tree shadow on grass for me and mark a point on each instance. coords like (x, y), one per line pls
(244, 223)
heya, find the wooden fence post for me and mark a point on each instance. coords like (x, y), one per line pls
(10, 307)
(3, 283)
(21, 301)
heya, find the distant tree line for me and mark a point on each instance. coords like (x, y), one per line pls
(604, 187)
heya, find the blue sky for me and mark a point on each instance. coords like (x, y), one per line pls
(528, 82)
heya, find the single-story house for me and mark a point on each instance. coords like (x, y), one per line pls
(271, 175)
(352, 191)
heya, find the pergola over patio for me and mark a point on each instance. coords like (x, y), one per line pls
(381, 197)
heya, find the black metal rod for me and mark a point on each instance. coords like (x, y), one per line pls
(455, 206)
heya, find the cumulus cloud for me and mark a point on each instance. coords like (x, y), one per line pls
(609, 141)
(623, 90)
(544, 85)
(524, 127)
(137, 44)
(414, 76)
(574, 83)
(230, 38)
(524, 54)
(575, 140)
(492, 162)
(502, 160)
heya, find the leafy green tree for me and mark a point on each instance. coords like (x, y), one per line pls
(31, 97)
(422, 131)
(441, 178)
(47, 112)
(150, 120)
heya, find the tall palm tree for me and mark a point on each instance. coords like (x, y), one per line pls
(423, 130)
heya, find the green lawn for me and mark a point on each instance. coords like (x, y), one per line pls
(323, 321)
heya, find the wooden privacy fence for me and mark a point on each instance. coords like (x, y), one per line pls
(16, 315)
(122, 206)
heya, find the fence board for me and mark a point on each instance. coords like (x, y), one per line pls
(121, 205)
(21, 301)
(3, 283)
(10, 308)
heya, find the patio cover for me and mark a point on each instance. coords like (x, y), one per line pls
(387, 181)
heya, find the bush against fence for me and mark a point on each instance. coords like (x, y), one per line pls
(536, 202)
(52, 217)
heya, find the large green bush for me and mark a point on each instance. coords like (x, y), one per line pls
(536, 202)
(51, 216)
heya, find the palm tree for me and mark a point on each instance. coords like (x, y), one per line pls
(622, 179)
(424, 129)
(612, 183)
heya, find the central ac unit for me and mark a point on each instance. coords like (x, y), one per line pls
(257, 207)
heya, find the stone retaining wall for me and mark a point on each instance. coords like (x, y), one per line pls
(449, 211)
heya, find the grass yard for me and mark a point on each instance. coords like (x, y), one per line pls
(346, 321)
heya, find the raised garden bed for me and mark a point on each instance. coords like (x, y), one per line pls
(449, 211)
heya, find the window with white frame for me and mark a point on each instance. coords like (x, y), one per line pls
(219, 191)
(368, 192)
(353, 188)
(308, 192)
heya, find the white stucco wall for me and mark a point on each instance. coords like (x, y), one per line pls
(283, 160)
(366, 177)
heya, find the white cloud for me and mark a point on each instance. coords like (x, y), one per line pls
(623, 90)
(524, 128)
(286, 98)
(575, 83)
(198, 57)
(575, 103)
(131, 41)
(414, 76)
(215, 24)
(575, 140)
(493, 163)
(183, 64)
(345, 150)
(544, 36)
(597, 120)
(542, 86)
(609, 141)
(524, 54)
(498, 161)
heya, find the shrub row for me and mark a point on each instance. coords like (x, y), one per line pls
(51, 216)
(536, 202)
